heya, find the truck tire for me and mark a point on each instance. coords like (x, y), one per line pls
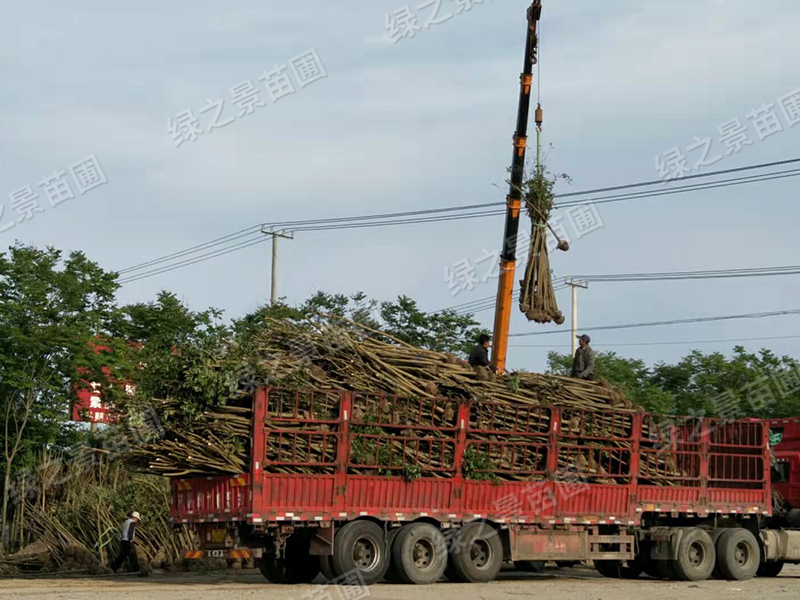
(285, 570)
(618, 569)
(392, 576)
(661, 569)
(360, 546)
(477, 554)
(296, 566)
(529, 566)
(696, 555)
(326, 566)
(770, 569)
(419, 554)
(738, 555)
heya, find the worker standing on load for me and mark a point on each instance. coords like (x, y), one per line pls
(583, 364)
(128, 547)
(479, 359)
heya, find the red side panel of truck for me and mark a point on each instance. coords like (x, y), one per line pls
(787, 457)
(322, 456)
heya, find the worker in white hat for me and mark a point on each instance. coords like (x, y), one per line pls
(128, 546)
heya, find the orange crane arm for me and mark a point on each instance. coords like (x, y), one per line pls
(508, 258)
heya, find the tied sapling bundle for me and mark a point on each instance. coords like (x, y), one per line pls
(537, 297)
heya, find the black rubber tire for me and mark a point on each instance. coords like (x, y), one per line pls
(770, 569)
(284, 570)
(477, 554)
(392, 576)
(529, 566)
(738, 555)
(360, 546)
(696, 555)
(715, 535)
(567, 564)
(449, 570)
(419, 554)
(326, 566)
(661, 569)
(296, 566)
(618, 569)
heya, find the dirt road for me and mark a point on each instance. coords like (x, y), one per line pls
(580, 583)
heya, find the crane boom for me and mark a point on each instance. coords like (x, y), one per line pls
(508, 258)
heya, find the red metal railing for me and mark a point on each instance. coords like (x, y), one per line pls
(338, 453)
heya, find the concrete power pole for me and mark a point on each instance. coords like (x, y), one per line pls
(574, 284)
(274, 279)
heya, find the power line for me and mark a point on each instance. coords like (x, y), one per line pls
(169, 268)
(672, 322)
(436, 215)
(686, 178)
(711, 185)
(226, 238)
(683, 343)
(481, 303)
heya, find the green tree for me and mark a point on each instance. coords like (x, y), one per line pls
(51, 314)
(173, 351)
(442, 332)
(629, 374)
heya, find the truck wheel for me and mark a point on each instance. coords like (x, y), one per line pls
(770, 569)
(360, 546)
(618, 569)
(296, 566)
(392, 576)
(326, 566)
(696, 555)
(478, 553)
(285, 570)
(419, 553)
(529, 566)
(661, 569)
(738, 555)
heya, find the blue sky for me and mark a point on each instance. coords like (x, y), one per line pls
(423, 123)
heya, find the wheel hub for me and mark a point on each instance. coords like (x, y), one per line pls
(480, 553)
(423, 554)
(365, 554)
(696, 554)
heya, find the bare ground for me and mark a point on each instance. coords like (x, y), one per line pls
(580, 583)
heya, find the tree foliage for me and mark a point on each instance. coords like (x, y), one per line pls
(749, 384)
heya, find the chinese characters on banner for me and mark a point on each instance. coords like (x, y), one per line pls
(90, 408)
(306, 67)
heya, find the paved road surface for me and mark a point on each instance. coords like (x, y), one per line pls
(580, 583)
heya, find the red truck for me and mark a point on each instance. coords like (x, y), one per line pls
(785, 434)
(365, 487)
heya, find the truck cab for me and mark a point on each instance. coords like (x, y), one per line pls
(785, 443)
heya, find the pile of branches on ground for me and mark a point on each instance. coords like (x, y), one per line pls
(78, 529)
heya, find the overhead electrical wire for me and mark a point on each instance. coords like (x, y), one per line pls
(253, 234)
(681, 343)
(762, 315)
(486, 302)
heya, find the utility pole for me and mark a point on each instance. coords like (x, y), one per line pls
(274, 280)
(575, 284)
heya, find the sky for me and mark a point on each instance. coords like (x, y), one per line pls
(425, 122)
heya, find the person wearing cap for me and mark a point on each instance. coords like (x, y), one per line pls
(127, 545)
(583, 364)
